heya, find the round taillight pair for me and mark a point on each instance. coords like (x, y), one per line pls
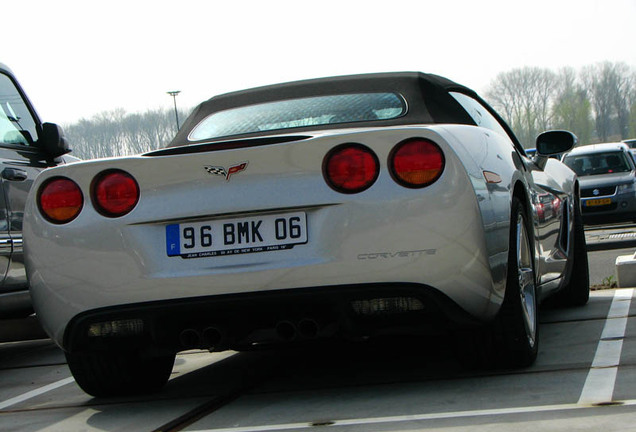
(115, 194)
(413, 163)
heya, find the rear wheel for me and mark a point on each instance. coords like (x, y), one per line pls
(516, 329)
(512, 339)
(114, 373)
(577, 291)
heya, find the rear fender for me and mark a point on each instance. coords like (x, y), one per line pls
(493, 167)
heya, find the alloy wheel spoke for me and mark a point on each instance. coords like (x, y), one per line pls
(525, 274)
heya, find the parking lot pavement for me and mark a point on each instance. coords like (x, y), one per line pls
(584, 379)
(412, 390)
(39, 394)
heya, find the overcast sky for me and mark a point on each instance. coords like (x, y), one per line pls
(79, 58)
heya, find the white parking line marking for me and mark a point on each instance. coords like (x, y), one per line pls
(36, 392)
(621, 303)
(599, 385)
(415, 417)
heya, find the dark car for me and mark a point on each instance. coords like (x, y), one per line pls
(608, 184)
(27, 146)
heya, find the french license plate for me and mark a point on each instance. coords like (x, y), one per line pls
(236, 236)
(598, 202)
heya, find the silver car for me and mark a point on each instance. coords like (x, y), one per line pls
(608, 183)
(340, 208)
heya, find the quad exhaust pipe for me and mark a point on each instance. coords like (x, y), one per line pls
(307, 328)
(213, 337)
(209, 338)
(190, 339)
(286, 330)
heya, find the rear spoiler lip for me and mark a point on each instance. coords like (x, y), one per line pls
(226, 145)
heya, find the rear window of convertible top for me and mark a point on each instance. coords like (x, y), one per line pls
(294, 113)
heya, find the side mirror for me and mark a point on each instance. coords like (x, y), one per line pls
(53, 141)
(554, 142)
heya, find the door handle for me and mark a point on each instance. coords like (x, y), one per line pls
(14, 174)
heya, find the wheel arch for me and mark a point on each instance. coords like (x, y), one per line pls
(520, 192)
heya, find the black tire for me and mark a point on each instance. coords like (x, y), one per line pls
(577, 291)
(117, 373)
(516, 329)
(512, 339)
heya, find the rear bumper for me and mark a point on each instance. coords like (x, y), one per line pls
(261, 319)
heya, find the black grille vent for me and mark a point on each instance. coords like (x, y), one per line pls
(602, 191)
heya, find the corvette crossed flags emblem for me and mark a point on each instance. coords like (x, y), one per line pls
(221, 171)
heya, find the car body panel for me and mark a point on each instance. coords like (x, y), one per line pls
(554, 209)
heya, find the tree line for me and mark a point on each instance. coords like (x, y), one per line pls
(597, 103)
(118, 133)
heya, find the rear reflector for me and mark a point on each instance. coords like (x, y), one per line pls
(119, 328)
(416, 163)
(115, 193)
(351, 168)
(60, 200)
(390, 305)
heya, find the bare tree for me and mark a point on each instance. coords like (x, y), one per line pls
(572, 109)
(632, 120)
(611, 89)
(524, 96)
(117, 133)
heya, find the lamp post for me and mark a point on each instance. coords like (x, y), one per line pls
(174, 98)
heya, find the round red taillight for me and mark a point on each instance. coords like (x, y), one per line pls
(351, 168)
(115, 193)
(60, 200)
(416, 163)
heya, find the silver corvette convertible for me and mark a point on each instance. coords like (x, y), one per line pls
(341, 208)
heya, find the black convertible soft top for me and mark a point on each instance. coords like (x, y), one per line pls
(426, 96)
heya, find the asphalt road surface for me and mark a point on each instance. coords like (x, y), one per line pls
(584, 380)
